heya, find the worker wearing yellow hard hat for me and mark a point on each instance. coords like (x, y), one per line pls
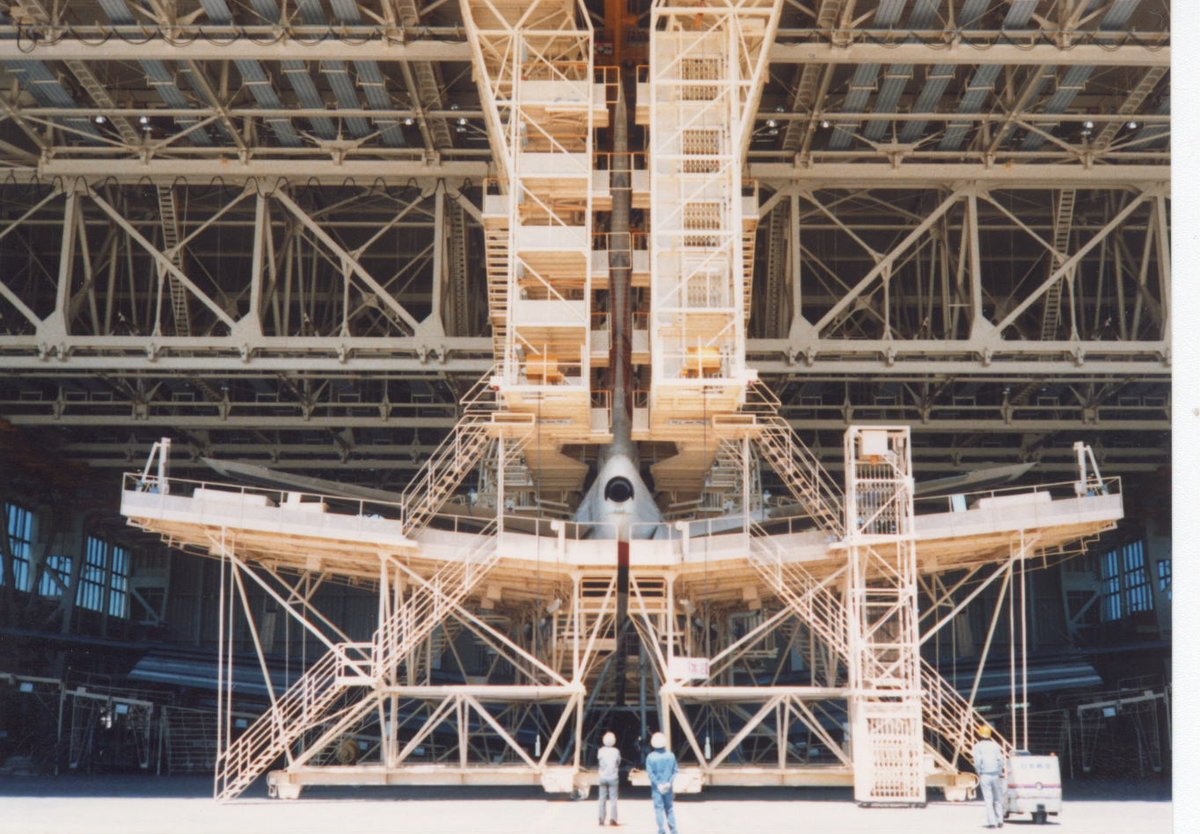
(989, 764)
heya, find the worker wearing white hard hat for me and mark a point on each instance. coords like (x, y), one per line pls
(662, 768)
(609, 760)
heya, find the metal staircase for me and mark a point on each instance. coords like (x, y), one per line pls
(749, 240)
(724, 485)
(459, 453)
(795, 464)
(950, 716)
(818, 607)
(99, 93)
(462, 308)
(809, 81)
(307, 703)
(773, 317)
(169, 219)
(1052, 309)
(498, 260)
(946, 714)
(299, 709)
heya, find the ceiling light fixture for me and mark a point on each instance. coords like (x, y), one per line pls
(772, 123)
(99, 119)
(143, 120)
(1133, 125)
(825, 123)
(409, 121)
(1089, 125)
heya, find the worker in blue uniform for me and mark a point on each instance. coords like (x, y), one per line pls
(662, 768)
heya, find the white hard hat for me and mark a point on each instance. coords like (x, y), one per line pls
(658, 741)
(609, 739)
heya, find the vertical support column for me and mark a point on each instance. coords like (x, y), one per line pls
(439, 256)
(971, 229)
(887, 739)
(1163, 243)
(66, 263)
(262, 232)
(796, 268)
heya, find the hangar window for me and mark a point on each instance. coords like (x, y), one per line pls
(104, 583)
(20, 544)
(92, 581)
(118, 590)
(1126, 581)
(56, 576)
(1164, 577)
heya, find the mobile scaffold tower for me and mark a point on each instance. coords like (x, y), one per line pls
(773, 650)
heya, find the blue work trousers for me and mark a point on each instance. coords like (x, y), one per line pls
(991, 785)
(664, 810)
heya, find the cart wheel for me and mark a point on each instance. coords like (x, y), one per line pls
(1039, 817)
(580, 793)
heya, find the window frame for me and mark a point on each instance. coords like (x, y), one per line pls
(20, 543)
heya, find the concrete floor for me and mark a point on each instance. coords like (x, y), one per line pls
(149, 805)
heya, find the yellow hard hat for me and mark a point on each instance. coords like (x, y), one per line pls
(985, 731)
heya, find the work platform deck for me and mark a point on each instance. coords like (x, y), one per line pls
(346, 537)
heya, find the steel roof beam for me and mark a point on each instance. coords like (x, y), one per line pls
(224, 355)
(303, 171)
(981, 54)
(331, 48)
(927, 175)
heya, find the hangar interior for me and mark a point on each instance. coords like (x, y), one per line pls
(408, 392)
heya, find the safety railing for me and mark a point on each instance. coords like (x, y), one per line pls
(819, 608)
(950, 716)
(961, 501)
(307, 702)
(797, 466)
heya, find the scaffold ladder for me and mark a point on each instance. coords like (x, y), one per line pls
(886, 732)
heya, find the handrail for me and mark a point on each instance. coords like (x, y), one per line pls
(309, 697)
(945, 503)
(947, 713)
